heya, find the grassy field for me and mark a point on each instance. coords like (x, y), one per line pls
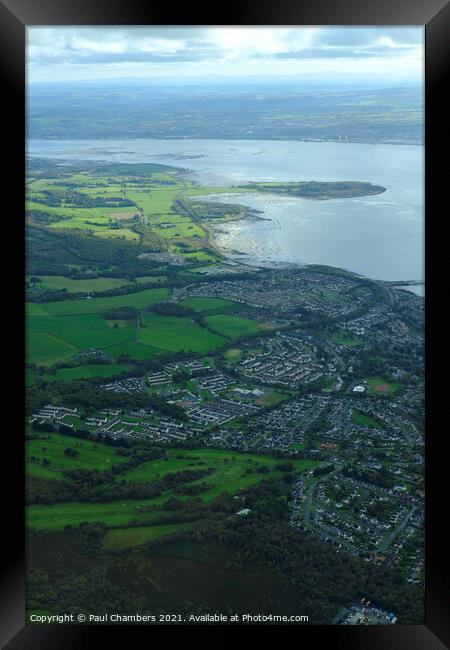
(56, 331)
(45, 349)
(345, 340)
(91, 455)
(139, 299)
(88, 370)
(73, 286)
(364, 420)
(172, 333)
(381, 386)
(233, 354)
(56, 338)
(136, 350)
(111, 513)
(228, 475)
(271, 398)
(233, 327)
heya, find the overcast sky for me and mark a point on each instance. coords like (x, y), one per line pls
(380, 54)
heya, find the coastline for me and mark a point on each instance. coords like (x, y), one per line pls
(212, 231)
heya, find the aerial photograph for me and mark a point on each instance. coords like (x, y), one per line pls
(225, 325)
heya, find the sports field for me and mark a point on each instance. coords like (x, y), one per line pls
(380, 386)
(90, 455)
(230, 473)
(229, 469)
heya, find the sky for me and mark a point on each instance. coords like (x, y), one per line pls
(380, 54)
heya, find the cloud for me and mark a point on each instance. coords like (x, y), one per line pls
(108, 52)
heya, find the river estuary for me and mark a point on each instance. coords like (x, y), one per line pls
(378, 236)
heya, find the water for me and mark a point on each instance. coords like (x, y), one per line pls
(378, 236)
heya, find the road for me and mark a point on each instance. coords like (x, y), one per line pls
(309, 496)
(398, 529)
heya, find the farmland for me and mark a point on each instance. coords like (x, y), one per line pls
(172, 333)
(129, 205)
(73, 286)
(139, 299)
(233, 327)
(57, 330)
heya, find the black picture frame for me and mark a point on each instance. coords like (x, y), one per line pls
(15, 16)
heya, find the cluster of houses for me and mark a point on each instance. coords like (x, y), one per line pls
(54, 415)
(281, 291)
(284, 360)
(343, 512)
(220, 411)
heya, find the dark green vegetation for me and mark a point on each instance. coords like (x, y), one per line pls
(320, 190)
(175, 486)
(279, 112)
(255, 563)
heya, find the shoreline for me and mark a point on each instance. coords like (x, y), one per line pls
(229, 254)
(409, 143)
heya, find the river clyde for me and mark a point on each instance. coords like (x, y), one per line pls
(381, 237)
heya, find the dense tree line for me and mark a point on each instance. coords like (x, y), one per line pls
(58, 198)
(172, 309)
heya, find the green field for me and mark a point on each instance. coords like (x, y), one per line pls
(56, 338)
(233, 354)
(73, 286)
(45, 349)
(233, 327)
(88, 370)
(136, 350)
(345, 340)
(111, 513)
(91, 455)
(380, 386)
(229, 468)
(364, 420)
(56, 331)
(297, 446)
(228, 475)
(172, 333)
(139, 299)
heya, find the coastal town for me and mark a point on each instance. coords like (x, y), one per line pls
(300, 388)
